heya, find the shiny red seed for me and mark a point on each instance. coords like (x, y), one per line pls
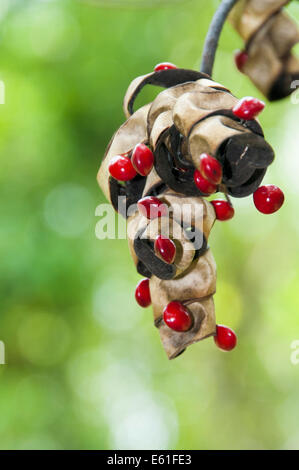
(248, 108)
(210, 168)
(203, 184)
(164, 66)
(268, 199)
(223, 209)
(142, 293)
(225, 338)
(177, 317)
(165, 248)
(121, 168)
(142, 159)
(241, 58)
(151, 207)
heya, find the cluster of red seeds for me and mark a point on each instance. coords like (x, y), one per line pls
(207, 178)
(124, 168)
(267, 199)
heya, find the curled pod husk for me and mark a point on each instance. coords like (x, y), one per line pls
(269, 35)
(191, 278)
(196, 117)
(133, 132)
(194, 283)
(195, 289)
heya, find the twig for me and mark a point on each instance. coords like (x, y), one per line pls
(212, 38)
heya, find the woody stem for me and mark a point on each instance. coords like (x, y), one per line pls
(212, 38)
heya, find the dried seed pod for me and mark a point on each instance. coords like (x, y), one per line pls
(191, 279)
(195, 289)
(131, 133)
(269, 35)
(188, 224)
(244, 154)
(196, 118)
(191, 117)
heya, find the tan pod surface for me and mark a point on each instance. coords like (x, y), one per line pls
(269, 35)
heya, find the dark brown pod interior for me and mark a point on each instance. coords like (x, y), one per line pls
(177, 175)
(145, 251)
(245, 158)
(132, 190)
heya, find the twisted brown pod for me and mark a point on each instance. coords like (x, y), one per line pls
(191, 279)
(269, 35)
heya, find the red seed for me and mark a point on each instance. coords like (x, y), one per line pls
(241, 58)
(142, 293)
(177, 317)
(223, 209)
(225, 338)
(268, 199)
(121, 168)
(210, 168)
(151, 207)
(165, 248)
(203, 184)
(164, 66)
(142, 159)
(248, 108)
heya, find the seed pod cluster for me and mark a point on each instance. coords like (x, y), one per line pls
(269, 35)
(195, 130)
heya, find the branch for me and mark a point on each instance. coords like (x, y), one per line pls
(212, 38)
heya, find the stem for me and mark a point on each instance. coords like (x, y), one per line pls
(228, 199)
(212, 38)
(223, 189)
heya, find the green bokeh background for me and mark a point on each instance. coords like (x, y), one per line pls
(85, 368)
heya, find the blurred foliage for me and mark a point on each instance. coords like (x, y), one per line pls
(85, 368)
